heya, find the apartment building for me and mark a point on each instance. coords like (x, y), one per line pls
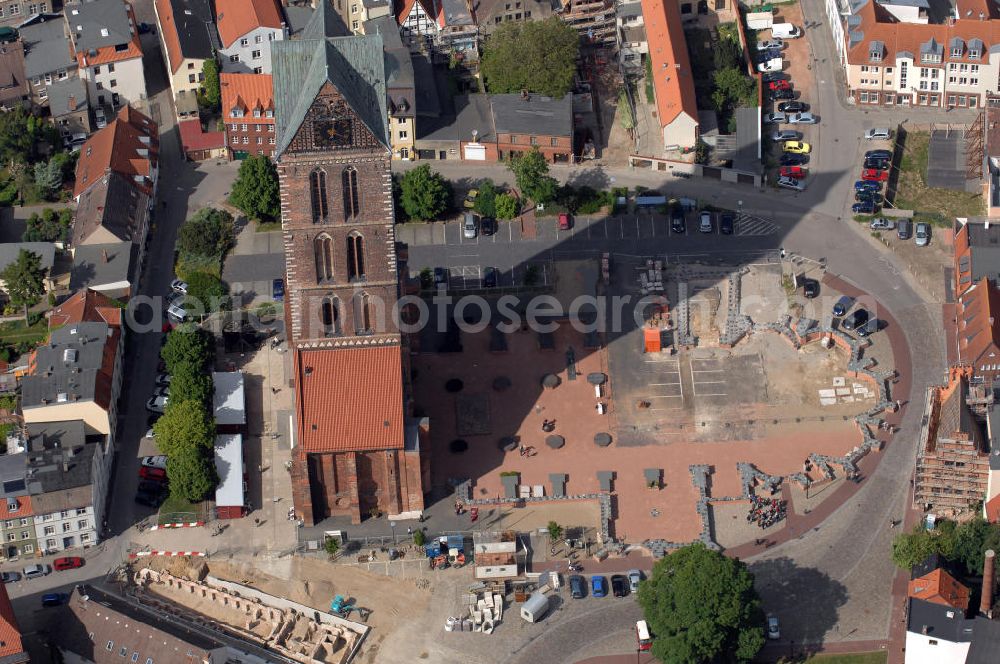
(673, 85)
(899, 53)
(247, 28)
(248, 110)
(48, 54)
(400, 86)
(187, 33)
(105, 38)
(17, 518)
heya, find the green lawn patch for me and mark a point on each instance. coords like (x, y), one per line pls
(176, 509)
(856, 658)
(14, 332)
(650, 95)
(912, 192)
(188, 264)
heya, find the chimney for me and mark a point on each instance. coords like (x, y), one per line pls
(986, 603)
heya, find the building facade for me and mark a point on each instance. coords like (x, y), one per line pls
(247, 28)
(105, 38)
(248, 110)
(354, 457)
(48, 54)
(527, 122)
(15, 12)
(189, 38)
(18, 528)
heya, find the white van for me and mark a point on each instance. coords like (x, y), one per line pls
(785, 31)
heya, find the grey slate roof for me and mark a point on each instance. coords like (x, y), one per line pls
(985, 642)
(537, 115)
(399, 78)
(469, 112)
(58, 456)
(941, 622)
(324, 22)
(456, 13)
(57, 378)
(67, 96)
(353, 65)
(89, 21)
(12, 476)
(46, 46)
(956, 42)
(985, 251)
(102, 264)
(931, 47)
(196, 29)
(923, 4)
(115, 203)
(10, 250)
(428, 103)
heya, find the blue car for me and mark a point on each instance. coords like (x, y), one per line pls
(598, 586)
(54, 599)
(867, 185)
(278, 290)
(866, 207)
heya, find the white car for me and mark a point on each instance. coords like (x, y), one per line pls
(770, 43)
(150, 433)
(922, 234)
(156, 404)
(773, 631)
(705, 222)
(35, 571)
(801, 118)
(774, 64)
(102, 119)
(179, 286)
(792, 183)
(177, 312)
(155, 461)
(163, 379)
(880, 224)
(774, 118)
(634, 577)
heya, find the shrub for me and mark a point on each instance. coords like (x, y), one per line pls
(506, 206)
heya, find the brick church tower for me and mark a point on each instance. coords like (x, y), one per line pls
(356, 449)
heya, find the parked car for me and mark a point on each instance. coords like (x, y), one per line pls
(159, 461)
(634, 577)
(793, 107)
(769, 54)
(869, 328)
(565, 221)
(865, 207)
(878, 133)
(797, 147)
(179, 286)
(54, 599)
(153, 474)
(177, 313)
(773, 631)
(867, 185)
(774, 64)
(789, 159)
(774, 118)
(598, 586)
(874, 175)
(35, 571)
(786, 135)
(842, 305)
(873, 196)
(802, 118)
(278, 290)
(782, 94)
(69, 562)
(163, 379)
(440, 277)
(810, 288)
(677, 224)
(150, 498)
(727, 224)
(796, 172)
(469, 230)
(774, 76)
(876, 164)
(780, 84)
(904, 229)
(878, 154)
(577, 586)
(490, 277)
(487, 225)
(150, 486)
(769, 44)
(162, 391)
(10, 577)
(857, 318)
(619, 585)
(792, 183)
(882, 224)
(470, 199)
(156, 404)
(705, 222)
(922, 233)
(100, 117)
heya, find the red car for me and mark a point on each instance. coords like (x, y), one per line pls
(874, 175)
(154, 474)
(63, 564)
(565, 222)
(796, 172)
(781, 84)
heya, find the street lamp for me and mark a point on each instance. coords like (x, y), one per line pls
(392, 524)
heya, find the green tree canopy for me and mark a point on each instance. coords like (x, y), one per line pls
(255, 191)
(190, 382)
(49, 178)
(17, 136)
(531, 172)
(186, 347)
(210, 232)
(537, 56)
(207, 289)
(183, 425)
(964, 543)
(49, 226)
(733, 88)
(24, 280)
(211, 92)
(486, 200)
(506, 206)
(192, 474)
(702, 607)
(424, 194)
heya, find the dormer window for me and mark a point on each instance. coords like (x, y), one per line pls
(256, 112)
(956, 52)
(973, 54)
(876, 51)
(236, 113)
(875, 56)
(268, 114)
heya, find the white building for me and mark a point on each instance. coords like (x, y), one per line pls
(105, 39)
(246, 30)
(632, 43)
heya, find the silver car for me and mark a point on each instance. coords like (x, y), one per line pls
(769, 44)
(881, 224)
(792, 183)
(469, 226)
(801, 118)
(922, 234)
(786, 135)
(35, 571)
(774, 118)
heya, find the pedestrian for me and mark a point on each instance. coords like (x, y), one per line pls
(409, 530)
(521, 450)
(256, 521)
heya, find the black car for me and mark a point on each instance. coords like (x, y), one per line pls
(490, 277)
(487, 225)
(577, 586)
(868, 196)
(857, 318)
(871, 327)
(619, 585)
(810, 288)
(726, 223)
(769, 54)
(864, 207)
(877, 164)
(879, 154)
(774, 76)
(440, 277)
(793, 107)
(677, 221)
(791, 159)
(782, 94)
(843, 304)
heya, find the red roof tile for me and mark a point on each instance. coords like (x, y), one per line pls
(168, 28)
(404, 7)
(87, 305)
(23, 508)
(236, 18)
(116, 148)
(109, 53)
(193, 138)
(247, 92)
(668, 52)
(939, 587)
(10, 633)
(993, 509)
(350, 399)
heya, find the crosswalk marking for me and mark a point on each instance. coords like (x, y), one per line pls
(749, 224)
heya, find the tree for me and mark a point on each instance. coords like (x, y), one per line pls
(909, 549)
(506, 206)
(702, 607)
(531, 172)
(207, 289)
(184, 424)
(190, 382)
(555, 531)
(192, 474)
(537, 56)
(424, 194)
(331, 546)
(48, 178)
(419, 537)
(17, 136)
(732, 88)
(210, 232)
(186, 347)
(49, 226)
(255, 191)
(211, 95)
(24, 280)
(487, 198)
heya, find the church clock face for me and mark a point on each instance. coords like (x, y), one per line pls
(332, 125)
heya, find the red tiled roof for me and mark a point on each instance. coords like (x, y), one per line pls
(116, 148)
(979, 324)
(168, 28)
(668, 52)
(404, 7)
(23, 508)
(350, 399)
(236, 18)
(939, 587)
(107, 54)
(87, 305)
(247, 92)
(193, 138)
(993, 509)
(10, 633)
